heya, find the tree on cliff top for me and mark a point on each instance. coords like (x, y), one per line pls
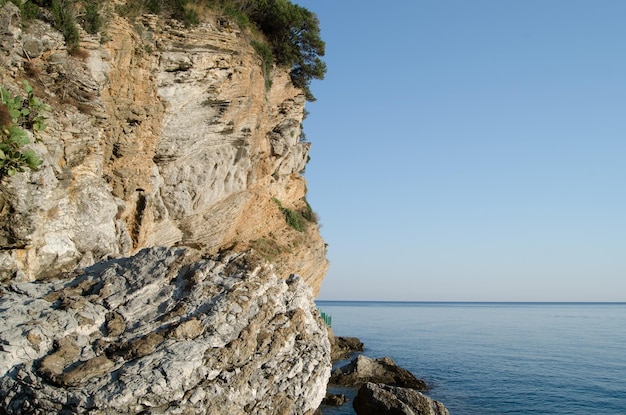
(294, 34)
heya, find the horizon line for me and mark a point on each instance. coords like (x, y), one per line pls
(472, 301)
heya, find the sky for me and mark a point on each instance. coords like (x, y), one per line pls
(471, 150)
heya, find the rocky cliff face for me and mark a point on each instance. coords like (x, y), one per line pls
(158, 136)
(146, 267)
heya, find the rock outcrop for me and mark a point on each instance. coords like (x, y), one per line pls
(364, 369)
(342, 347)
(378, 399)
(159, 135)
(334, 399)
(164, 331)
(146, 267)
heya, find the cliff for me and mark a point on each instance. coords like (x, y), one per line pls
(147, 265)
(158, 135)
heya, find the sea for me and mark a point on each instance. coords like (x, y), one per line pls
(497, 358)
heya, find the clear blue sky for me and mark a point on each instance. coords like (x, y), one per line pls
(471, 150)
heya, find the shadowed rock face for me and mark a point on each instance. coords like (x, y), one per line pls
(378, 399)
(164, 331)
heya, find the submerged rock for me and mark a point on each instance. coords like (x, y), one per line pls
(163, 332)
(377, 399)
(364, 369)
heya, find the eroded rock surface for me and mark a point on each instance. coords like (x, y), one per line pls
(378, 399)
(163, 332)
(159, 135)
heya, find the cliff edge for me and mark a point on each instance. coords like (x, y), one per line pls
(151, 263)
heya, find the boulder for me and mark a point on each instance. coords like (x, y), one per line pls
(364, 369)
(377, 399)
(334, 399)
(343, 347)
(163, 332)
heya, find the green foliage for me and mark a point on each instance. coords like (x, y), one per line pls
(292, 31)
(294, 34)
(235, 11)
(63, 13)
(294, 219)
(93, 19)
(298, 220)
(18, 114)
(28, 10)
(307, 212)
(175, 9)
(265, 53)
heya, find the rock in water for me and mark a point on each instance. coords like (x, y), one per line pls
(364, 369)
(163, 332)
(333, 399)
(341, 347)
(377, 399)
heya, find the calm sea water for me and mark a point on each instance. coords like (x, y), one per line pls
(499, 358)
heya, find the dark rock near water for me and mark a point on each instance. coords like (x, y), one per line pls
(364, 369)
(332, 399)
(343, 347)
(377, 399)
(384, 387)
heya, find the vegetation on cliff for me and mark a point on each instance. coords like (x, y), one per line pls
(17, 115)
(294, 35)
(297, 219)
(291, 33)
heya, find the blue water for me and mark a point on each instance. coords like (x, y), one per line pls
(499, 358)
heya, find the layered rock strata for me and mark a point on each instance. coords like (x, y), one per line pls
(147, 266)
(163, 332)
(159, 135)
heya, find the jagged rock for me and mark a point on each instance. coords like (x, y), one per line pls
(341, 347)
(364, 369)
(163, 332)
(377, 399)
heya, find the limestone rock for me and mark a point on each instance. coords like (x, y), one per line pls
(160, 136)
(377, 399)
(163, 332)
(10, 31)
(364, 369)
